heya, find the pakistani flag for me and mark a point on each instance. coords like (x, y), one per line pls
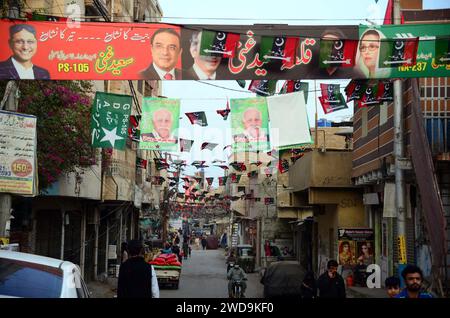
(198, 118)
(398, 52)
(332, 99)
(218, 43)
(283, 166)
(369, 98)
(263, 87)
(238, 166)
(442, 51)
(385, 91)
(279, 48)
(241, 83)
(355, 89)
(186, 145)
(110, 120)
(141, 163)
(337, 53)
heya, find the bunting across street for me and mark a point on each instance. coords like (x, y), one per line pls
(332, 99)
(263, 87)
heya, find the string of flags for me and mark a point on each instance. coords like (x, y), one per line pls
(208, 145)
(224, 112)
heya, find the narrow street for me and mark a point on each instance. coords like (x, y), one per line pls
(204, 276)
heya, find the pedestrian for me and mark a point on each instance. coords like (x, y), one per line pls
(330, 283)
(167, 249)
(176, 250)
(413, 277)
(124, 252)
(185, 248)
(308, 289)
(204, 242)
(392, 286)
(137, 278)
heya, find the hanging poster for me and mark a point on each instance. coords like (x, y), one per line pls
(249, 124)
(159, 126)
(356, 246)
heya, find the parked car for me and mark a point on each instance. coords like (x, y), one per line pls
(34, 276)
(283, 279)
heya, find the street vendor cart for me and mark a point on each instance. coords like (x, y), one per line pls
(167, 269)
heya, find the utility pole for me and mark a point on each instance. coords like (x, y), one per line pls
(165, 214)
(399, 154)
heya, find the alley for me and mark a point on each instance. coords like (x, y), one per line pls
(204, 276)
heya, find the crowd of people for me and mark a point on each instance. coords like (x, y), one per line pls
(330, 284)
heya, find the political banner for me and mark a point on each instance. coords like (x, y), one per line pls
(110, 120)
(17, 153)
(133, 51)
(159, 125)
(249, 124)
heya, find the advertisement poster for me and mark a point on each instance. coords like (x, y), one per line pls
(132, 51)
(249, 124)
(159, 126)
(17, 153)
(356, 247)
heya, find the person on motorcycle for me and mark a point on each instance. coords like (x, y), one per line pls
(236, 274)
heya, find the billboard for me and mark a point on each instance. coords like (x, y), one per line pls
(132, 51)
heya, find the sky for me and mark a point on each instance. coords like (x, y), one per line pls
(196, 96)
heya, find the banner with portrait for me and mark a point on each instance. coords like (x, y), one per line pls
(59, 50)
(356, 246)
(249, 124)
(159, 125)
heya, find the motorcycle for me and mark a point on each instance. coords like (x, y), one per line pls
(236, 291)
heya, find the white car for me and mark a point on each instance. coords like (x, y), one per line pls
(33, 276)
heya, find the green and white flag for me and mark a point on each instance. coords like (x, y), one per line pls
(110, 120)
(159, 125)
(249, 124)
(442, 51)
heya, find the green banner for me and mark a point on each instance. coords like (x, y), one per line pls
(374, 42)
(110, 120)
(159, 126)
(249, 124)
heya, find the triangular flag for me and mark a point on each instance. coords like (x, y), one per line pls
(258, 163)
(398, 52)
(332, 99)
(198, 118)
(292, 86)
(224, 112)
(208, 145)
(442, 51)
(238, 166)
(210, 180)
(279, 48)
(369, 98)
(385, 91)
(133, 130)
(263, 87)
(355, 89)
(186, 145)
(141, 163)
(219, 43)
(197, 163)
(161, 164)
(222, 181)
(223, 167)
(283, 166)
(241, 83)
(337, 53)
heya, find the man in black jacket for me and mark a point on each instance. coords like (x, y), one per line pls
(330, 283)
(137, 279)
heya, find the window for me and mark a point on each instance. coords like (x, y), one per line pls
(29, 280)
(383, 113)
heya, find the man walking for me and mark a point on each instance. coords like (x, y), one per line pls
(413, 277)
(137, 278)
(330, 283)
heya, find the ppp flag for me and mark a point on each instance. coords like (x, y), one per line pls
(263, 87)
(337, 53)
(218, 43)
(398, 52)
(332, 99)
(279, 48)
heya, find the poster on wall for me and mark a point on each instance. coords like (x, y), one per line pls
(356, 246)
(17, 153)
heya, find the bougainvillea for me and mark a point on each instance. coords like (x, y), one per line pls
(63, 111)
